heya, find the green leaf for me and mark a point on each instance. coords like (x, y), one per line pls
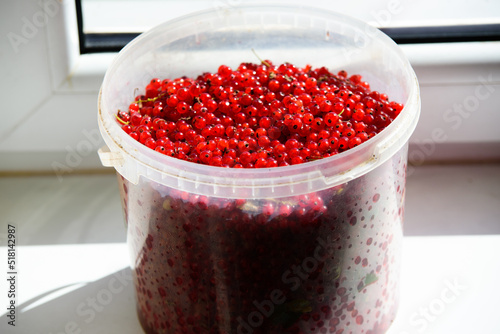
(299, 305)
(338, 271)
(287, 314)
(369, 279)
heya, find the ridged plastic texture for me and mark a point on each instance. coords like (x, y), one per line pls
(202, 41)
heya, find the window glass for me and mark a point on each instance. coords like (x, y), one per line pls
(107, 25)
(124, 16)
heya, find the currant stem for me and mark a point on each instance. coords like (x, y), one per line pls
(121, 120)
(262, 61)
(152, 99)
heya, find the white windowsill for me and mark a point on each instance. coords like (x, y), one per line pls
(76, 228)
(82, 273)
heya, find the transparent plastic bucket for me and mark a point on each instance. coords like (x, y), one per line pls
(310, 248)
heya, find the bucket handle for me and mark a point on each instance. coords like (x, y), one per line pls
(109, 158)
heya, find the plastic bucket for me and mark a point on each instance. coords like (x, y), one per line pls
(310, 248)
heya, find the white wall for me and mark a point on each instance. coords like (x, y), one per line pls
(49, 93)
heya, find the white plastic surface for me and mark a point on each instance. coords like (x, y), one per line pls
(201, 42)
(108, 158)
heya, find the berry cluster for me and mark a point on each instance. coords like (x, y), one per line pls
(259, 115)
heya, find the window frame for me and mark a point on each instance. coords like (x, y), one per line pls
(447, 73)
(482, 32)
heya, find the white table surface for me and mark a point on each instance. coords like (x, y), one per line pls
(72, 250)
(58, 283)
(81, 209)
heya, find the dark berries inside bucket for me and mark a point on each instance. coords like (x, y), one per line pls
(321, 262)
